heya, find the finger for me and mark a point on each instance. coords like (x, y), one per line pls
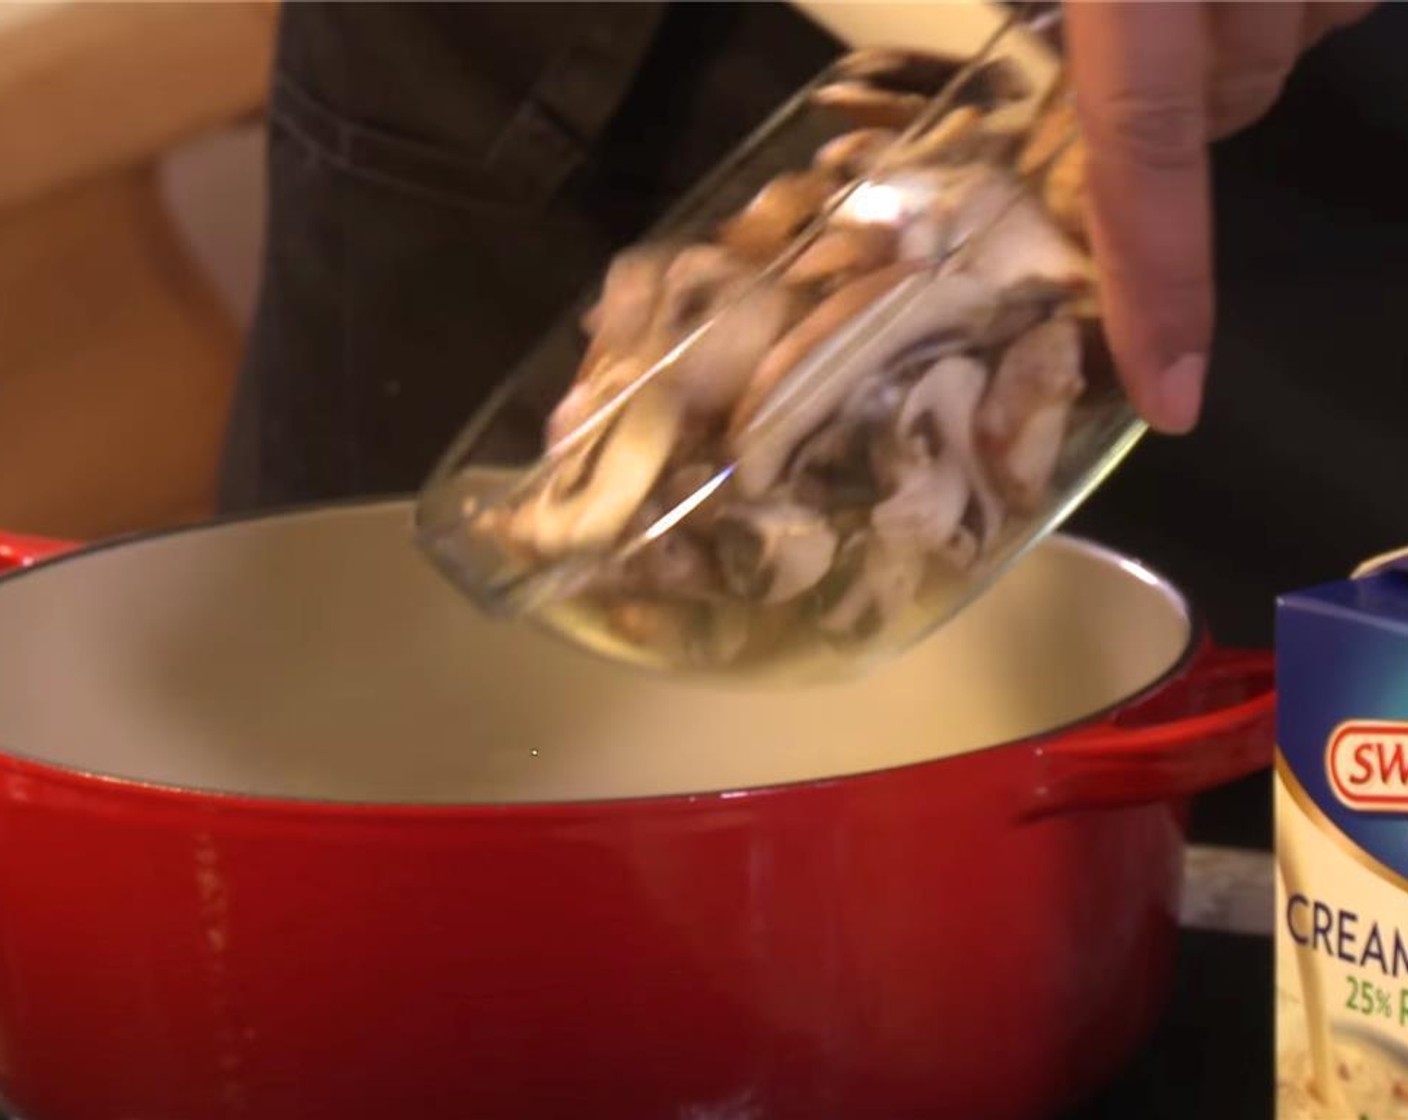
(1323, 16)
(1255, 46)
(1138, 71)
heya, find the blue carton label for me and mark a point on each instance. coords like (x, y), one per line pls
(1342, 851)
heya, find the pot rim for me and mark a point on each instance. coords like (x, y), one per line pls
(365, 811)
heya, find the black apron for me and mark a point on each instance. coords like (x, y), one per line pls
(445, 178)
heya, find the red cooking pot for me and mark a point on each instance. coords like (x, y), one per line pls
(288, 831)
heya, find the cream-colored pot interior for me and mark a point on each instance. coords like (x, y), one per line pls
(319, 655)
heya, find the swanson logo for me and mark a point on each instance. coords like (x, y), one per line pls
(1367, 764)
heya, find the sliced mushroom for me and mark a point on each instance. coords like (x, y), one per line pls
(845, 570)
(626, 306)
(927, 73)
(697, 439)
(1022, 307)
(1064, 192)
(852, 153)
(917, 355)
(842, 252)
(946, 312)
(898, 195)
(873, 585)
(946, 206)
(978, 199)
(706, 285)
(875, 400)
(951, 139)
(592, 492)
(1054, 152)
(1052, 130)
(832, 470)
(964, 548)
(848, 464)
(835, 469)
(570, 413)
(779, 212)
(660, 627)
(925, 512)
(674, 566)
(900, 70)
(732, 631)
(955, 305)
(1022, 421)
(503, 529)
(677, 564)
(698, 280)
(773, 553)
(651, 297)
(685, 484)
(589, 395)
(682, 632)
(1006, 131)
(1024, 244)
(996, 81)
(821, 324)
(867, 107)
(939, 418)
(713, 373)
(926, 240)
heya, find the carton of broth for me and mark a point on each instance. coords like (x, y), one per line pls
(1341, 790)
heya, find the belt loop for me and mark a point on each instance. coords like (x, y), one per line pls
(573, 100)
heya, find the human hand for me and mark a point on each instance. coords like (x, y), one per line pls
(1155, 83)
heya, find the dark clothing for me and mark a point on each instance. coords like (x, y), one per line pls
(444, 179)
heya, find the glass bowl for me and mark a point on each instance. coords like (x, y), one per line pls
(850, 380)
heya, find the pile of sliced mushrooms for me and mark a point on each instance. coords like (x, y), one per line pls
(829, 510)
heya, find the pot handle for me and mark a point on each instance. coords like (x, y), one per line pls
(1212, 727)
(22, 552)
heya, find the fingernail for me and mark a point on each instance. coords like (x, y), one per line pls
(1180, 394)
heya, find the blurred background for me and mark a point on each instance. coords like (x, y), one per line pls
(131, 197)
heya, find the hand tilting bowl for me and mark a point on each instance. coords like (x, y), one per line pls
(290, 835)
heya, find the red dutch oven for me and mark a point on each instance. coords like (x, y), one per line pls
(288, 832)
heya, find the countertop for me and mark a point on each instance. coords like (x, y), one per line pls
(1211, 1057)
